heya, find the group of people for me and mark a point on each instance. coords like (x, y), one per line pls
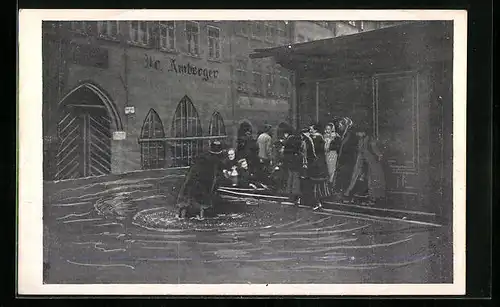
(309, 165)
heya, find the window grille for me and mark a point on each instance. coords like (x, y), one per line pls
(186, 125)
(152, 147)
(216, 126)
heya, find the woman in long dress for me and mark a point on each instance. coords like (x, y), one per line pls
(331, 150)
(316, 189)
(369, 168)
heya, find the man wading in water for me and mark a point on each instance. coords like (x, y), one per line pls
(197, 194)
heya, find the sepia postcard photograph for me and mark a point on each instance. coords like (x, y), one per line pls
(242, 152)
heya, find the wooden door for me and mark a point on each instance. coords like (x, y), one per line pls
(400, 126)
(85, 143)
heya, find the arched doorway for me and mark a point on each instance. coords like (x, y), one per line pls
(187, 143)
(152, 143)
(84, 128)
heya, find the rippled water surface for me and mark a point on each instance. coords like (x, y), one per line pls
(126, 231)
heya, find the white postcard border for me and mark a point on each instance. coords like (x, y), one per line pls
(30, 160)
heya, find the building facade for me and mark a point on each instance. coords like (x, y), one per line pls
(395, 84)
(122, 96)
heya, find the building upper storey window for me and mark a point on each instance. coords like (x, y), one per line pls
(79, 26)
(214, 47)
(257, 81)
(193, 37)
(270, 30)
(243, 28)
(140, 32)
(258, 30)
(108, 29)
(166, 33)
(241, 74)
(281, 29)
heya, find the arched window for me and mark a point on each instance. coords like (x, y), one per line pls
(152, 144)
(186, 133)
(216, 126)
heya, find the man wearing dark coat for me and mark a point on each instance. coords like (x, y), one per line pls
(197, 194)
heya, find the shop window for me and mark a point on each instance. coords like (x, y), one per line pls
(79, 27)
(139, 33)
(108, 29)
(152, 142)
(187, 140)
(193, 37)
(241, 74)
(214, 48)
(167, 35)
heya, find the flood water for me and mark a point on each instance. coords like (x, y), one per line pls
(126, 231)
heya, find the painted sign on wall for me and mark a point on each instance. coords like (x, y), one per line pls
(171, 65)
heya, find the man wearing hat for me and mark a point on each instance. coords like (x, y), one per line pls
(197, 193)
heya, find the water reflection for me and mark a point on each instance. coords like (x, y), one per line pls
(127, 231)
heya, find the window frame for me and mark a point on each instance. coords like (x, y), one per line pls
(82, 29)
(162, 26)
(219, 45)
(148, 33)
(242, 75)
(101, 25)
(256, 89)
(197, 43)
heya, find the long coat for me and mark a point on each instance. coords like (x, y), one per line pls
(346, 160)
(292, 153)
(368, 154)
(198, 189)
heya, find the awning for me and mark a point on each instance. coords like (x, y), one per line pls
(415, 43)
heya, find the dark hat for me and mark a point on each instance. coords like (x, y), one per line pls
(267, 128)
(215, 147)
